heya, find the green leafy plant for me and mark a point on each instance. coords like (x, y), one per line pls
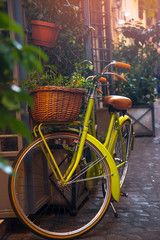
(40, 9)
(69, 48)
(142, 55)
(51, 77)
(12, 96)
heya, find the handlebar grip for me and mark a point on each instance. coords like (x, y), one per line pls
(122, 78)
(123, 65)
(102, 80)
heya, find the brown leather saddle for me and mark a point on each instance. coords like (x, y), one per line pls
(117, 102)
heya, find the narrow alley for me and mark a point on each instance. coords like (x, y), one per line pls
(139, 213)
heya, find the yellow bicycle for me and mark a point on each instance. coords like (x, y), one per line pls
(64, 180)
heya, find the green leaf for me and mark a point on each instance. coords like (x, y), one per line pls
(36, 51)
(7, 24)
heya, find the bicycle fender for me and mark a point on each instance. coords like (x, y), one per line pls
(115, 181)
(123, 119)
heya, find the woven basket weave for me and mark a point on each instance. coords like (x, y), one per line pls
(56, 104)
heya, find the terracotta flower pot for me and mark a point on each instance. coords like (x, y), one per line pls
(44, 33)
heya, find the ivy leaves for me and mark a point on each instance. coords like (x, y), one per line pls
(11, 96)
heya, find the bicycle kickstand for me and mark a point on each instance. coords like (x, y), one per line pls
(114, 210)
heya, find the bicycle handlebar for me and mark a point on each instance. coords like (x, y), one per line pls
(122, 78)
(122, 65)
(117, 64)
(104, 72)
(101, 79)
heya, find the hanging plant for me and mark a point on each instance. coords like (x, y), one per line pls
(70, 45)
(44, 30)
(44, 33)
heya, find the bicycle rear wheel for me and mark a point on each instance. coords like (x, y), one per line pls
(118, 155)
(50, 209)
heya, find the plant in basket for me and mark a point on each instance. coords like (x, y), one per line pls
(57, 98)
(51, 76)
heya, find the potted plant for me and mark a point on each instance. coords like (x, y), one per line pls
(70, 45)
(57, 98)
(68, 51)
(142, 55)
(44, 31)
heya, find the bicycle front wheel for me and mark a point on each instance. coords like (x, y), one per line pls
(119, 155)
(48, 207)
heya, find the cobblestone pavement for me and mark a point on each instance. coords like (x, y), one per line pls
(139, 213)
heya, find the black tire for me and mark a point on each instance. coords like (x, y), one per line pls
(50, 209)
(118, 154)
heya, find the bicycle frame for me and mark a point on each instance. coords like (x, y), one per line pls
(77, 155)
(89, 133)
(71, 173)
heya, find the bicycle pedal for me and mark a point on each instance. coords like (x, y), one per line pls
(123, 194)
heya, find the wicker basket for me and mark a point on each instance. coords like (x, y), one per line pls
(56, 104)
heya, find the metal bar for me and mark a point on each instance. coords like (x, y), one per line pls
(51, 155)
(121, 164)
(83, 137)
(87, 179)
(110, 130)
(87, 22)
